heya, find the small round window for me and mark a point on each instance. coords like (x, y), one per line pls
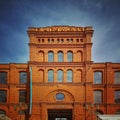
(60, 96)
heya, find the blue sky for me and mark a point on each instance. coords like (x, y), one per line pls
(17, 15)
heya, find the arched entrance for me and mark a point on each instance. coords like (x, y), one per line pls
(59, 105)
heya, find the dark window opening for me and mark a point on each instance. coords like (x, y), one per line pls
(23, 96)
(3, 96)
(3, 78)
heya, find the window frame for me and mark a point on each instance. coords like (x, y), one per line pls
(98, 79)
(117, 77)
(60, 96)
(69, 56)
(21, 81)
(69, 75)
(60, 75)
(3, 77)
(99, 99)
(22, 98)
(50, 75)
(117, 97)
(60, 56)
(3, 98)
(50, 56)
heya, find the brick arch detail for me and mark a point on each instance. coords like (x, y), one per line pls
(79, 56)
(51, 96)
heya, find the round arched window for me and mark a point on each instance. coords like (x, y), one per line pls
(60, 96)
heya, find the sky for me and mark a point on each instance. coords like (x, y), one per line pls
(17, 15)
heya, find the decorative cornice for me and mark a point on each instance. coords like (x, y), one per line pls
(60, 28)
(57, 64)
(106, 85)
(60, 31)
(98, 85)
(57, 45)
(4, 86)
(58, 83)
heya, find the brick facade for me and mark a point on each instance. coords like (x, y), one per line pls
(78, 94)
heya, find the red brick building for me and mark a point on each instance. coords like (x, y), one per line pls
(60, 80)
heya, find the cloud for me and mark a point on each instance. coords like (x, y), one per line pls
(16, 16)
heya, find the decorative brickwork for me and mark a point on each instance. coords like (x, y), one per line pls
(64, 78)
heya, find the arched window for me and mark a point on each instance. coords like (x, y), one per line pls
(60, 75)
(60, 56)
(117, 96)
(79, 75)
(69, 75)
(98, 77)
(23, 77)
(117, 77)
(41, 75)
(3, 77)
(97, 96)
(50, 75)
(41, 56)
(79, 56)
(3, 96)
(69, 56)
(50, 56)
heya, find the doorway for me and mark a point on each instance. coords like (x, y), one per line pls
(55, 114)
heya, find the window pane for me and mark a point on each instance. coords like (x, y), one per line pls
(117, 96)
(97, 77)
(50, 56)
(97, 96)
(60, 96)
(69, 76)
(50, 76)
(3, 78)
(22, 96)
(117, 77)
(23, 77)
(69, 56)
(60, 56)
(3, 96)
(60, 76)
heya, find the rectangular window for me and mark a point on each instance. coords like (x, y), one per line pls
(117, 77)
(98, 96)
(3, 78)
(3, 96)
(23, 77)
(117, 96)
(23, 96)
(97, 77)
